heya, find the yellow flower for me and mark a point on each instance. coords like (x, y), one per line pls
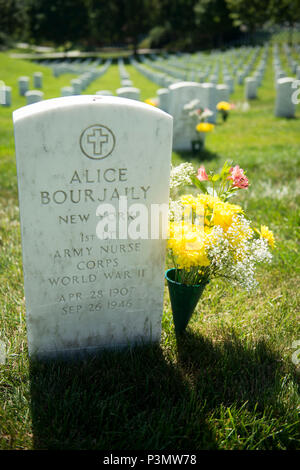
(268, 235)
(150, 101)
(204, 127)
(223, 106)
(223, 213)
(189, 200)
(187, 242)
(207, 200)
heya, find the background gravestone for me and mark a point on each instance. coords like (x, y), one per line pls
(37, 80)
(75, 154)
(129, 92)
(180, 94)
(67, 91)
(34, 96)
(5, 95)
(23, 83)
(284, 106)
(250, 88)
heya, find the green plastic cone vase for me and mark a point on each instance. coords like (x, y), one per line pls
(183, 300)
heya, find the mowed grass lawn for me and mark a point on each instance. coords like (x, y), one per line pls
(230, 381)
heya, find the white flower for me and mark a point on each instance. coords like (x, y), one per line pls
(181, 175)
(206, 113)
(175, 211)
(191, 105)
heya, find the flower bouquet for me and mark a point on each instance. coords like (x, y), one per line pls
(210, 237)
(224, 107)
(195, 117)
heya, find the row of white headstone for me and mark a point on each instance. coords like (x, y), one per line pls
(197, 67)
(254, 82)
(76, 67)
(79, 84)
(285, 88)
(124, 75)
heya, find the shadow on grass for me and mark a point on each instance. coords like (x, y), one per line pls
(121, 400)
(201, 156)
(138, 399)
(230, 372)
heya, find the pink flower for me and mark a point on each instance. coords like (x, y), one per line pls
(238, 177)
(202, 176)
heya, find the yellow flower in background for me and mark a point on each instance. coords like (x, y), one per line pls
(150, 101)
(204, 127)
(267, 235)
(223, 106)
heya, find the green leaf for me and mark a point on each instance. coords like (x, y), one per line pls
(216, 177)
(199, 184)
(226, 167)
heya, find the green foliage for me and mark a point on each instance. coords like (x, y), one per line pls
(14, 19)
(213, 15)
(182, 24)
(58, 21)
(255, 14)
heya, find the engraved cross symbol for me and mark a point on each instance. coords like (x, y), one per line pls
(97, 139)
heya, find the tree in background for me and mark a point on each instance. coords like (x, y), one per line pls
(177, 24)
(137, 16)
(285, 11)
(213, 22)
(248, 14)
(178, 20)
(14, 20)
(104, 25)
(59, 21)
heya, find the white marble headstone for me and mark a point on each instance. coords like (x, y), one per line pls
(250, 88)
(180, 94)
(5, 95)
(67, 91)
(23, 83)
(76, 83)
(222, 93)
(86, 290)
(163, 97)
(38, 80)
(34, 96)
(129, 92)
(284, 105)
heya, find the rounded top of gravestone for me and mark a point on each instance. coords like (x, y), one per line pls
(126, 82)
(161, 91)
(183, 84)
(284, 80)
(34, 93)
(208, 85)
(76, 101)
(128, 88)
